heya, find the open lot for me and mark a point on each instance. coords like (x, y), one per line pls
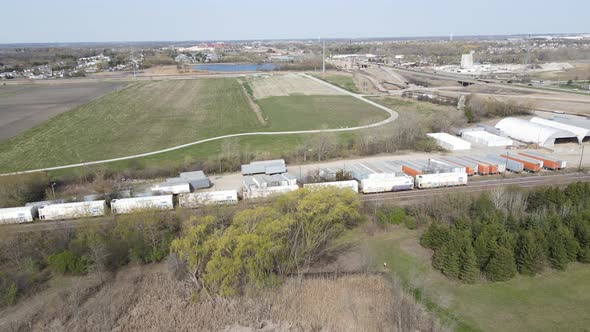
(25, 106)
(272, 85)
(343, 80)
(548, 302)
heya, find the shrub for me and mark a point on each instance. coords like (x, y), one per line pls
(67, 262)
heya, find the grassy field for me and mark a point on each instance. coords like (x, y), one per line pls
(298, 112)
(148, 116)
(343, 81)
(553, 301)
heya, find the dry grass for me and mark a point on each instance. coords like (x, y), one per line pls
(285, 85)
(148, 299)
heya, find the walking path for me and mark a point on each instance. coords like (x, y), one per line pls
(392, 117)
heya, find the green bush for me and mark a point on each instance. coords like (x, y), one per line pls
(67, 262)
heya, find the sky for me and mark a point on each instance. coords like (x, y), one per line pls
(29, 21)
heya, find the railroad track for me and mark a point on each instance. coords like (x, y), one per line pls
(403, 197)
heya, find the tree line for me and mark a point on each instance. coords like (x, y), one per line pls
(504, 233)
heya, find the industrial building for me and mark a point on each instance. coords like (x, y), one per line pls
(530, 132)
(268, 167)
(185, 183)
(262, 185)
(197, 179)
(450, 142)
(382, 176)
(574, 120)
(581, 133)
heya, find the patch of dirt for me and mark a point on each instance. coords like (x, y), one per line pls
(270, 85)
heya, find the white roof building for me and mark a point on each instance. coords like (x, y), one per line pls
(530, 132)
(450, 142)
(579, 131)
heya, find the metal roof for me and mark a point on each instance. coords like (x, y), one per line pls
(265, 167)
(530, 132)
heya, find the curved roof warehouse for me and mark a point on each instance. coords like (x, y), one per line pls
(530, 132)
(580, 132)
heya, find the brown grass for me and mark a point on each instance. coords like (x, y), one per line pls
(147, 298)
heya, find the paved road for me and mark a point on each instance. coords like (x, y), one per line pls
(392, 117)
(401, 198)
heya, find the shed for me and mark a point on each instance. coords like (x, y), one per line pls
(530, 132)
(450, 142)
(269, 167)
(197, 179)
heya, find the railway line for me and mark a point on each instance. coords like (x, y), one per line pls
(402, 197)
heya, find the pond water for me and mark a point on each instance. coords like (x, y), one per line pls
(236, 67)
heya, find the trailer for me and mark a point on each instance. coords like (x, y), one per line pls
(194, 200)
(73, 210)
(548, 162)
(17, 215)
(481, 168)
(470, 166)
(493, 167)
(399, 183)
(350, 184)
(438, 180)
(530, 164)
(509, 164)
(135, 204)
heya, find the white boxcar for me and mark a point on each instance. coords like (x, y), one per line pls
(72, 210)
(172, 188)
(440, 180)
(17, 215)
(398, 183)
(130, 205)
(208, 197)
(350, 184)
(268, 191)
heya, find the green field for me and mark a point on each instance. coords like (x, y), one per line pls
(553, 301)
(148, 116)
(298, 112)
(343, 81)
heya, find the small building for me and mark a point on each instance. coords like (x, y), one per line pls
(485, 138)
(450, 142)
(197, 179)
(262, 185)
(268, 167)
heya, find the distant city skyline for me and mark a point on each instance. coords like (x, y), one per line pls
(66, 21)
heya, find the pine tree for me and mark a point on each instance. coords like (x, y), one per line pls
(557, 251)
(584, 255)
(438, 258)
(482, 252)
(468, 265)
(435, 237)
(529, 254)
(572, 247)
(451, 263)
(501, 266)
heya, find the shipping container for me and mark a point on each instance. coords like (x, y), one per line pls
(481, 168)
(450, 142)
(485, 165)
(530, 164)
(130, 205)
(403, 182)
(548, 162)
(197, 199)
(350, 184)
(254, 192)
(441, 180)
(437, 166)
(73, 210)
(509, 164)
(17, 215)
(485, 138)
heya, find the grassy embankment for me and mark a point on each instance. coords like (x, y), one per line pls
(548, 302)
(150, 116)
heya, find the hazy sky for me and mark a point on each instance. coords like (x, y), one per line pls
(135, 20)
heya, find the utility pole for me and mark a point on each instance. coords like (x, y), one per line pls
(581, 157)
(324, 56)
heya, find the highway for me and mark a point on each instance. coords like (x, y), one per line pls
(401, 198)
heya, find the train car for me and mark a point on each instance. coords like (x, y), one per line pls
(17, 215)
(438, 180)
(398, 183)
(350, 184)
(194, 200)
(134, 204)
(254, 192)
(73, 210)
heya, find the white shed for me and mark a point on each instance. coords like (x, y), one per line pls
(530, 132)
(450, 142)
(484, 138)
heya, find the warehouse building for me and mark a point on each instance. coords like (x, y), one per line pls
(581, 133)
(530, 132)
(268, 167)
(574, 120)
(485, 138)
(185, 183)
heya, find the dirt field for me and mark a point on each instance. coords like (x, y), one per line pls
(265, 85)
(149, 298)
(24, 106)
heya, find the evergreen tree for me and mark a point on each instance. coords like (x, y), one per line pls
(501, 266)
(557, 251)
(481, 248)
(439, 257)
(451, 263)
(529, 254)
(435, 237)
(468, 265)
(584, 255)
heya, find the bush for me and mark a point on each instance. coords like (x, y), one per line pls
(20, 189)
(67, 262)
